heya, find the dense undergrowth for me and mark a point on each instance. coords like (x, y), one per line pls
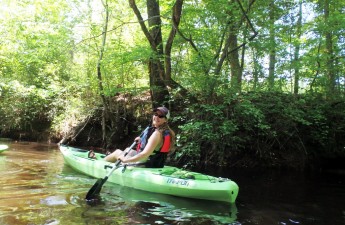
(251, 130)
(265, 130)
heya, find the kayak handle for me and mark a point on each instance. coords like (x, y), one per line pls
(107, 166)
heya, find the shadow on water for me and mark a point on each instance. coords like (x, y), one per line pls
(152, 208)
(285, 197)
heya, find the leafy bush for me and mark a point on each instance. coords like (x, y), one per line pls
(20, 105)
(266, 129)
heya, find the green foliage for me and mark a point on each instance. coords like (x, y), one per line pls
(279, 129)
(21, 108)
(49, 51)
(209, 127)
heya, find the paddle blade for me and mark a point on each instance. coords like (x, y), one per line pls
(95, 189)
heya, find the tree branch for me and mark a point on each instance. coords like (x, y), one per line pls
(142, 24)
(175, 19)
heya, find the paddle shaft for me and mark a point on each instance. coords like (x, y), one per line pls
(96, 188)
(117, 163)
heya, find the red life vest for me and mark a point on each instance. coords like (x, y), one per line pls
(166, 140)
(159, 156)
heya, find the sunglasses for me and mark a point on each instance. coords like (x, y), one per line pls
(160, 116)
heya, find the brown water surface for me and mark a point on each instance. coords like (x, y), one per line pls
(36, 187)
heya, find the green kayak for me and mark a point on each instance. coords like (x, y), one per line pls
(168, 180)
(3, 148)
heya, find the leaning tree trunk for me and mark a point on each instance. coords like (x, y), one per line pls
(183, 94)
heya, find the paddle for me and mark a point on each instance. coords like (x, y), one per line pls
(96, 188)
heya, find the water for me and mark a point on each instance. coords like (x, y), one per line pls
(37, 188)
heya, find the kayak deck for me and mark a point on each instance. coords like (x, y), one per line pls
(168, 180)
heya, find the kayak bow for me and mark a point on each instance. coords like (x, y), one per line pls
(3, 148)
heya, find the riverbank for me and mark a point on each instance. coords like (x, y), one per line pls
(253, 130)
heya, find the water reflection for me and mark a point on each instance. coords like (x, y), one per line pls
(37, 188)
(31, 191)
(171, 208)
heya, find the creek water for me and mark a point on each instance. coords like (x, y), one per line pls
(36, 187)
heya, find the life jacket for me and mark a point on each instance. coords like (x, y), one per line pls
(159, 156)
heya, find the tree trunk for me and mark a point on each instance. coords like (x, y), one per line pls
(235, 67)
(329, 52)
(159, 91)
(256, 71)
(272, 52)
(230, 52)
(297, 47)
(99, 72)
(175, 20)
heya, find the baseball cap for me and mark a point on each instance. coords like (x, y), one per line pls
(165, 111)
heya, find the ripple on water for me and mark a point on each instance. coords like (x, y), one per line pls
(54, 200)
